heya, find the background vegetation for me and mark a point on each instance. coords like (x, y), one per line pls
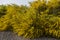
(39, 19)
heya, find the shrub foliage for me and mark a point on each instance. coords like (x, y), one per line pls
(40, 18)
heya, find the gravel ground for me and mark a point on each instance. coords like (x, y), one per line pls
(7, 35)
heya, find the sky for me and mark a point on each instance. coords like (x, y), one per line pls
(18, 2)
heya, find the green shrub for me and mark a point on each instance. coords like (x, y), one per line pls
(37, 20)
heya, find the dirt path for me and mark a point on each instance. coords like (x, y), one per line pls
(11, 36)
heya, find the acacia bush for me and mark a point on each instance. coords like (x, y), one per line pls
(37, 20)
